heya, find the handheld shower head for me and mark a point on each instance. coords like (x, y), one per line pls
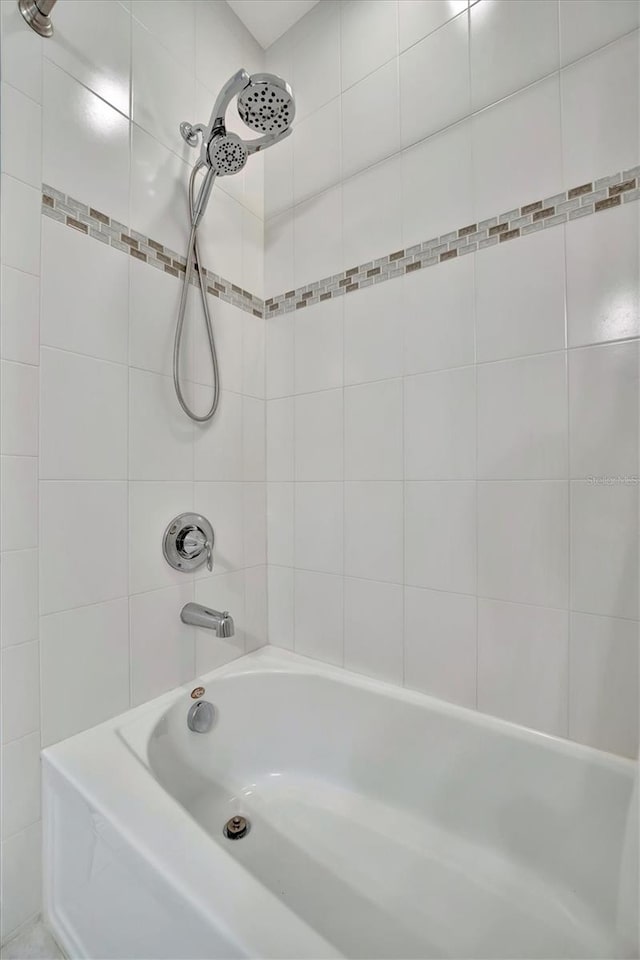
(227, 154)
(266, 104)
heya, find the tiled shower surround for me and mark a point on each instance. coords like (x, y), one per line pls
(432, 480)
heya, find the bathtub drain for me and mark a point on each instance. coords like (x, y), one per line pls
(236, 828)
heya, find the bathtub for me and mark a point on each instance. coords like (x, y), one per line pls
(383, 823)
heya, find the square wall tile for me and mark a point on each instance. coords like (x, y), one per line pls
(600, 102)
(254, 524)
(517, 149)
(316, 151)
(160, 436)
(440, 645)
(278, 253)
(152, 309)
(318, 251)
(363, 104)
(318, 347)
(19, 503)
(173, 23)
(280, 591)
(87, 440)
(278, 179)
(372, 230)
(162, 647)
(20, 691)
(20, 784)
(256, 613)
(93, 45)
(439, 317)
(252, 383)
(280, 450)
(20, 306)
(218, 445)
(280, 521)
(374, 533)
(377, 20)
(319, 600)
(603, 410)
(20, 225)
(417, 18)
(440, 61)
(279, 355)
(66, 579)
(316, 58)
(21, 53)
(18, 597)
(96, 171)
(158, 184)
(373, 616)
(19, 409)
(603, 302)
(254, 435)
(523, 664)
(21, 878)
(86, 651)
(84, 296)
(440, 535)
(442, 200)
(585, 25)
(604, 547)
(522, 418)
(318, 436)
(523, 541)
(372, 334)
(162, 93)
(319, 527)
(517, 314)
(21, 133)
(603, 683)
(440, 425)
(373, 431)
(512, 44)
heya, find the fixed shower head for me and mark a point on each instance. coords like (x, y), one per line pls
(227, 154)
(266, 104)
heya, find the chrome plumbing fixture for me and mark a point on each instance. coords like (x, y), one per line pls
(188, 542)
(266, 105)
(37, 15)
(199, 616)
(201, 716)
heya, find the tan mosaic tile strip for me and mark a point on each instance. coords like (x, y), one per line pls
(580, 201)
(94, 223)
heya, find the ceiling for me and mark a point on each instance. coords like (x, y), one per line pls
(269, 19)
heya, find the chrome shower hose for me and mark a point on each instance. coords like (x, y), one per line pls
(193, 258)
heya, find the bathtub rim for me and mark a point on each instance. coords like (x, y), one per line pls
(95, 762)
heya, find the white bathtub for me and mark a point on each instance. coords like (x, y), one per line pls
(384, 824)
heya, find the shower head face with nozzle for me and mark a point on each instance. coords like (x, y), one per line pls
(266, 104)
(227, 154)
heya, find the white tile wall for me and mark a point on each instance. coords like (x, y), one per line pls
(88, 412)
(473, 419)
(425, 503)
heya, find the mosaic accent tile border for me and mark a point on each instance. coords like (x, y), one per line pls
(581, 201)
(86, 219)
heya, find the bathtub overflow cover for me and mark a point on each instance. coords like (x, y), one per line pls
(236, 828)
